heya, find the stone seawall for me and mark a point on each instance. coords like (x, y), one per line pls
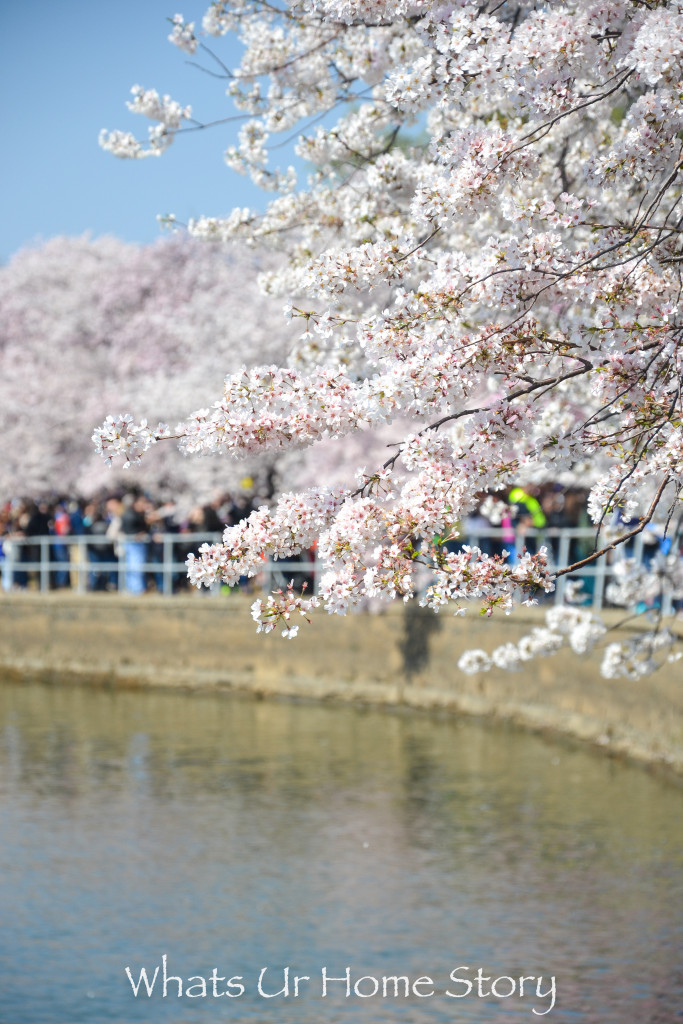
(400, 657)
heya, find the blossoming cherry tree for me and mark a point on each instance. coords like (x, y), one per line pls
(488, 246)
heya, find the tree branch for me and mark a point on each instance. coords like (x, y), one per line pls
(621, 540)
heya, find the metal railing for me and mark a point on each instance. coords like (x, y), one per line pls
(88, 563)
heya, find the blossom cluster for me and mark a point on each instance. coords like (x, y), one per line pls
(642, 653)
(167, 112)
(182, 35)
(279, 608)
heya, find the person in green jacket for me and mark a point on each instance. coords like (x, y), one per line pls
(530, 515)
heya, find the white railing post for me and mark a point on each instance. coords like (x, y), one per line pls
(599, 583)
(562, 559)
(167, 565)
(82, 565)
(45, 563)
(121, 572)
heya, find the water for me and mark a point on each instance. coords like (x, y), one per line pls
(240, 835)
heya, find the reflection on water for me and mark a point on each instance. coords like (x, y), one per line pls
(235, 835)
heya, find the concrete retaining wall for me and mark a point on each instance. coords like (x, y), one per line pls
(201, 643)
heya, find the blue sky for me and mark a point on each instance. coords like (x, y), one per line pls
(66, 71)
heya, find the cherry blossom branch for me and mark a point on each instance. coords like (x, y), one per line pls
(621, 540)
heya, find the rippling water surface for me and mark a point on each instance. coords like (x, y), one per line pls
(233, 835)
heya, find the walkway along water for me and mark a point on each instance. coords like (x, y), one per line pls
(381, 659)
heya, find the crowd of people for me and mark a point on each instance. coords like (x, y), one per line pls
(123, 529)
(128, 534)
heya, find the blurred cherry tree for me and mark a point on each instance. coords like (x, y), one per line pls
(85, 325)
